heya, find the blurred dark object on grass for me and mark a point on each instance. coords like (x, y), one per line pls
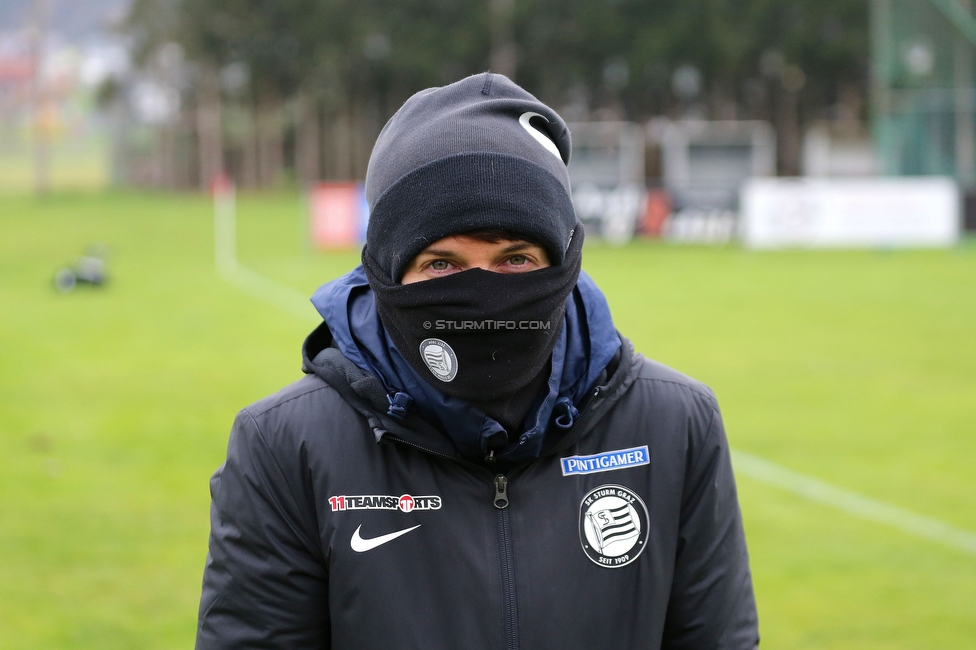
(88, 270)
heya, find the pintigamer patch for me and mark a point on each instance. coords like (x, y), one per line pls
(606, 461)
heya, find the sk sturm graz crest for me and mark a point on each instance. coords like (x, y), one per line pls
(440, 358)
(613, 525)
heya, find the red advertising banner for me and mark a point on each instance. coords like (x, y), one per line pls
(338, 215)
(657, 209)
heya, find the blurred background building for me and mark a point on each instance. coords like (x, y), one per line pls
(674, 103)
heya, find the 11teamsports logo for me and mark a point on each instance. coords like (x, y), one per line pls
(403, 503)
(613, 525)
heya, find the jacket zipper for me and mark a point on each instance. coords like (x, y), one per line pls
(586, 407)
(392, 436)
(506, 563)
(505, 547)
(506, 560)
(501, 491)
(506, 550)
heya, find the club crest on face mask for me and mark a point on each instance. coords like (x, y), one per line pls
(440, 359)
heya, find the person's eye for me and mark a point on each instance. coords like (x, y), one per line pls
(440, 265)
(518, 260)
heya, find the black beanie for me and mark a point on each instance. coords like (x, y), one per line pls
(481, 153)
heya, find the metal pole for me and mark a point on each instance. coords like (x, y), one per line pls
(41, 107)
(963, 90)
(881, 58)
(959, 15)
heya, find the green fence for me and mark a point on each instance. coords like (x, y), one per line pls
(924, 87)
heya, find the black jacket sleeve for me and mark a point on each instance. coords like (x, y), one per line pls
(712, 603)
(265, 584)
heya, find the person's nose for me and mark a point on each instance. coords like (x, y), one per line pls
(484, 265)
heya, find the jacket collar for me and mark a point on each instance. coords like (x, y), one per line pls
(365, 392)
(587, 343)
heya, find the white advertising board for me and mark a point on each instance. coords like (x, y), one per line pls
(855, 212)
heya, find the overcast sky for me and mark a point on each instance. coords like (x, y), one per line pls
(73, 19)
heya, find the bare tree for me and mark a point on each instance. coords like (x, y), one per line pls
(307, 138)
(42, 106)
(209, 141)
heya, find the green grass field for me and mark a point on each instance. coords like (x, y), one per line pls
(854, 367)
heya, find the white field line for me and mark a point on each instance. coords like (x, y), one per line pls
(250, 282)
(289, 300)
(257, 286)
(852, 503)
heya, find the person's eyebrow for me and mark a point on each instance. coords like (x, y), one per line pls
(445, 252)
(438, 252)
(516, 246)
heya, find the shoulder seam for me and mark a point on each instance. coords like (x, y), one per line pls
(689, 386)
(712, 407)
(290, 399)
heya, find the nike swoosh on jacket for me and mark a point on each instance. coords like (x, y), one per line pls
(361, 545)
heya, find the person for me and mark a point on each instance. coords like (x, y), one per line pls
(475, 458)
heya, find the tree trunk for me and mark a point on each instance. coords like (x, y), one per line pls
(43, 108)
(184, 170)
(325, 142)
(270, 140)
(166, 154)
(249, 149)
(503, 57)
(209, 141)
(787, 121)
(361, 142)
(342, 146)
(306, 139)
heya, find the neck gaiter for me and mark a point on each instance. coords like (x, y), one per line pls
(478, 335)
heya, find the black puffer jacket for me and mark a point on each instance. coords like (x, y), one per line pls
(335, 526)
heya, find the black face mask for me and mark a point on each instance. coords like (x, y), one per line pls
(478, 335)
